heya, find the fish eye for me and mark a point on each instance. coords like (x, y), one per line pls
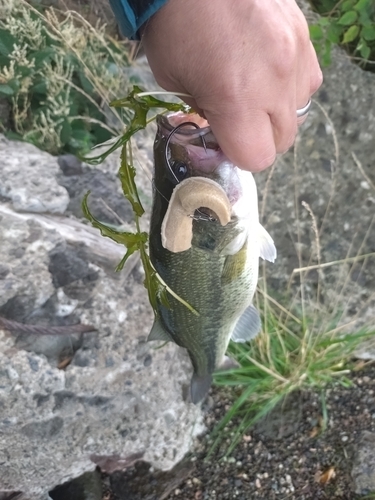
(180, 169)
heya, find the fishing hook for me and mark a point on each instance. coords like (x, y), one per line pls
(169, 140)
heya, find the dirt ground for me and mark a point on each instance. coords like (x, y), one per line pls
(287, 456)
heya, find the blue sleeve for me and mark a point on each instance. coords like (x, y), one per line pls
(131, 14)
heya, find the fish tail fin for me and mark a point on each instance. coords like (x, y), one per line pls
(199, 387)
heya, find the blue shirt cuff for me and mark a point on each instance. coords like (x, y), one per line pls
(131, 14)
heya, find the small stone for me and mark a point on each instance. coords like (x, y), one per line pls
(344, 438)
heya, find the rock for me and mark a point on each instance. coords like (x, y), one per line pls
(106, 202)
(70, 164)
(103, 397)
(363, 472)
(28, 178)
(86, 487)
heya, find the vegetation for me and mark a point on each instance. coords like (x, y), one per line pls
(292, 353)
(350, 23)
(58, 74)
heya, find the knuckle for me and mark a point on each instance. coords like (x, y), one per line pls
(316, 80)
(287, 140)
(263, 160)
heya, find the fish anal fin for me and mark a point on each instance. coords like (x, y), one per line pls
(199, 387)
(248, 326)
(158, 332)
(267, 249)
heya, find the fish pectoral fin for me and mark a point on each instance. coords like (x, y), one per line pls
(199, 387)
(158, 332)
(228, 364)
(234, 266)
(267, 249)
(248, 326)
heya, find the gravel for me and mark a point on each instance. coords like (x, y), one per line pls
(300, 460)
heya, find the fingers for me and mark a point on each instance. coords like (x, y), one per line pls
(316, 75)
(246, 138)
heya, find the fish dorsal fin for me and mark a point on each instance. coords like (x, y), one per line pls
(248, 326)
(158, 332)
(199, 387)
(267, 249)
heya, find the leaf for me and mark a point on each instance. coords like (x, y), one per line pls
(153, 286)
(368, 33)
(316, 32)
(326, 59)
(125, 238)
(140, 107)
(6, 90)
(327, 476)
(66, 132)
(365, 50)
(361, 5)
(127, 174)
(324, 21)
(347, 5)
(41, 57)
(136, 103)
(348, 18)
(7, 42)
(334, 33)
(351, 34)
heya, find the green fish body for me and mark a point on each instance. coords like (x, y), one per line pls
(218, 274)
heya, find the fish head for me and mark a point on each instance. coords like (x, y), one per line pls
(191, 150)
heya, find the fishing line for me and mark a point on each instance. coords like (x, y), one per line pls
(171, 134)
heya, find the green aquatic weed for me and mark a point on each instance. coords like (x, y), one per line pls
(140, 103)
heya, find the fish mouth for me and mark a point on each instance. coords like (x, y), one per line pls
(211, 190)
(188, 135)
(188, 197)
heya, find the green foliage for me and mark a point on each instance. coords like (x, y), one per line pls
(139, 103)
(59, 74)
(350, 23)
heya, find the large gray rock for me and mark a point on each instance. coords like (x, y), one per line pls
(28, 178)
(70, 402)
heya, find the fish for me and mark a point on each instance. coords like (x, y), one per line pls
(205, 241)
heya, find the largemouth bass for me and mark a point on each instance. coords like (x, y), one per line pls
(205, 242)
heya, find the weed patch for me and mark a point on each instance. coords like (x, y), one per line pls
(59, 74)
(349, 23)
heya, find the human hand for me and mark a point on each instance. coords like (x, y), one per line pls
(248, 65)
